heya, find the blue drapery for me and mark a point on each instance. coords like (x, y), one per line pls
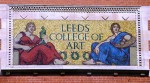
(109, 54)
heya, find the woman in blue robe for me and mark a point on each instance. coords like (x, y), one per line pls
(113, 51)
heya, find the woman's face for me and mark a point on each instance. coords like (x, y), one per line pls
(115, 28)
(31, 28)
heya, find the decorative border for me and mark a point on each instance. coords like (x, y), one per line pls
(84, 9)
(138, 22)
(87, 9)
(10, 37)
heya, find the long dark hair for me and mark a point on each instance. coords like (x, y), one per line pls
(28, 24)
(112, 25)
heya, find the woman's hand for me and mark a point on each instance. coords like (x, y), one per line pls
(126, 42)
(45, 38)
(96, 50)
(26, 48)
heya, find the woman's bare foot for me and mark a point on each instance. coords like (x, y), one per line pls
(60, 62)
(89, 62)
(99, 63)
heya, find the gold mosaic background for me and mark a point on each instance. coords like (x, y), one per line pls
(95, 26)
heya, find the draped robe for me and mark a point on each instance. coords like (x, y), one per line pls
(109, 54)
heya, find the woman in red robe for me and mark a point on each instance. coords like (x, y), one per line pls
(32, 52)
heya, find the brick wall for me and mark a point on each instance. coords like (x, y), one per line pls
(80, 2)
(149, 45)
(0, 39)
(148, 24)
(75, 79)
